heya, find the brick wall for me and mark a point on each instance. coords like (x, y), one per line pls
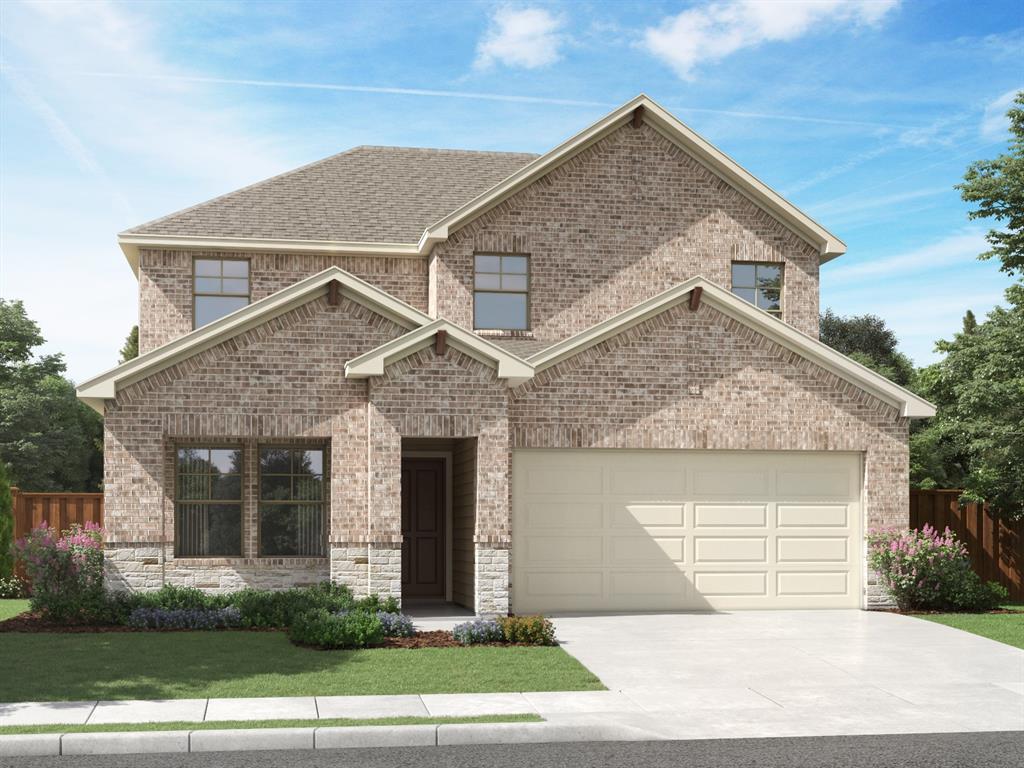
(165, 283)
(624, 220)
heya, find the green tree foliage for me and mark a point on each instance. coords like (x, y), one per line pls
(866, 339)
(49, 440)
(996, 187)
(130, 350)
(976, 440)
(6, 526)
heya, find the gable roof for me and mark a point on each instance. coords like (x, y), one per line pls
(819, 353)
(105, 386)
(396, 201)
(510, 367)
(373, 196)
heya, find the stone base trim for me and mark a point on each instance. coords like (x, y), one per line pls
(492, 579)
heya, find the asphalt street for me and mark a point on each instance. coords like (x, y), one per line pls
(946, 750)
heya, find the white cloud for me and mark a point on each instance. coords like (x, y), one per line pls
(960, 248)
(526, 37)
(994, 123)
(711, 32)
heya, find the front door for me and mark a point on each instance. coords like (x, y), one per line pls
(423, 507)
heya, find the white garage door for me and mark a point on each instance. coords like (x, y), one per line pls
(610, 530)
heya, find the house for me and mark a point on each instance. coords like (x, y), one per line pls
(589, 380)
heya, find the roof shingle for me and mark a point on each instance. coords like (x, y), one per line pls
(367, 194)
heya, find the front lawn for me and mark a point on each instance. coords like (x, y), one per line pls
(1005, 627)
(9, 608)
(175, 665)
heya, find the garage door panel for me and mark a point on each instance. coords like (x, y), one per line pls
(732, 584)
(808, 549)
(643, 515)
(813, 516)
(731, 549)
(730, 516)
(652, 550)
(812, 583)
(729, 483)
(711, 530)
(564, 514)
(647, 584)
(574, 550)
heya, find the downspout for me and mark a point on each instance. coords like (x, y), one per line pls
(369, 486)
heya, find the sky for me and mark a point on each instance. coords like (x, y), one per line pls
(864, 113)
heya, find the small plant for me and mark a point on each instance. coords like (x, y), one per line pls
(927, 570)
(13, 588)
(184, 618)
(387, 604)
(320, 628)
(478, 631)
(527, 630)
(396, 624)
(265, 608)
(66, 573)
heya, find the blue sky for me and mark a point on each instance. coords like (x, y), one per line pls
(864, 114)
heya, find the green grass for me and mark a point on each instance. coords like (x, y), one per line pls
(1005, 627)
(9, 608)
(216, 725)
(176, 665)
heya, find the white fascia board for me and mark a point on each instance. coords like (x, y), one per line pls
(131, 243)
(676, 131)
(104, 387)
(514, 369)
(909, 404)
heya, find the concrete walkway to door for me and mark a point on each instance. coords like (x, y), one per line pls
(795, 673)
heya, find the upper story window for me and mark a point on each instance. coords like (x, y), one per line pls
(501, 298)
(760, 284)
(219, 287)
(208, 502)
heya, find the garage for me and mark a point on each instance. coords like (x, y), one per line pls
(624, 530)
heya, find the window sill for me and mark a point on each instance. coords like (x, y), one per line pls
(250, 562)
(497, 334)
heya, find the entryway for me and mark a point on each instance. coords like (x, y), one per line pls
(438, 521)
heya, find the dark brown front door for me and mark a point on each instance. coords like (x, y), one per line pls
(423, 502)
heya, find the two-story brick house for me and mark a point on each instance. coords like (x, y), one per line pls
(589, 380)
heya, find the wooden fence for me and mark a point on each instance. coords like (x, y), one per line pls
(996, 546)
(58, 510)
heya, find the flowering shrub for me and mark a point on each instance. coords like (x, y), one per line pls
(478, 631)
(527, 630)
(12, 587)
(184, 618)
(66, 572)
(395, 624)
(320, 628)
(927, 570)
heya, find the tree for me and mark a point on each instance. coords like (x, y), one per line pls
(130, 350)
(6, 526)
(996, 187)
(866, 339)
(970, 322)
(49, 440)
(976, 440)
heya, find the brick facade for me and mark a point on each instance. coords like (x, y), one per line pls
(627, 218)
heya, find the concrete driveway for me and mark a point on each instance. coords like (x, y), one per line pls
(796, 673)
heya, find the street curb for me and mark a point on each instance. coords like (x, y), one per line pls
(353, 737)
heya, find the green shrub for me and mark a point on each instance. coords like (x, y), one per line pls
(930, 571)
(6, 526)
(527, 630)
(13, 588)
(377, 603)
(265, 608)
(320, 628)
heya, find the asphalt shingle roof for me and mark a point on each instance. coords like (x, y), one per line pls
(367, 194)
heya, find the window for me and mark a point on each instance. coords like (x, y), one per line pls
(501, 292)
(208, 503)
(760, 284)
(291, 511)
(219, 287)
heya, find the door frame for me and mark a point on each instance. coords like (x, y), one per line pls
(446, 456)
